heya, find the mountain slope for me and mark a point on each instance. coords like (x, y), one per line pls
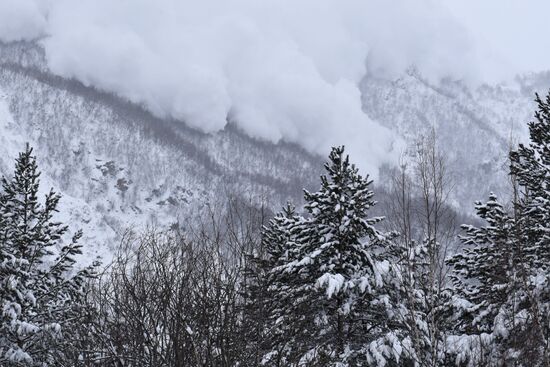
(474, 127)
(118, 166)
(128, 167)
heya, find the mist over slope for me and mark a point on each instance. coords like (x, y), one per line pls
(128, 168)
(475, 127)
(277, 70)
(120, 166)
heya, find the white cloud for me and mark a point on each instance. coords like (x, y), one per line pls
(21, 20)
(510, 35)
(278, 69)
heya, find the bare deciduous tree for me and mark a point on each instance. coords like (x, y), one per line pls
(173, 298)
(418, 208)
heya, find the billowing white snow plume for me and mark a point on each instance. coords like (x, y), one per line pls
(21, 20)
(278, 69)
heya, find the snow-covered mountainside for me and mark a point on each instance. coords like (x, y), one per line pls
(474, 127)
(118, 166)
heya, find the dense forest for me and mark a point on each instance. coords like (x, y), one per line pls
(329, 284)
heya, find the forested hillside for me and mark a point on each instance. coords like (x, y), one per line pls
(327, 286)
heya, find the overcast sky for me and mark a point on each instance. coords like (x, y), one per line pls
(514, 30)
(279, 69)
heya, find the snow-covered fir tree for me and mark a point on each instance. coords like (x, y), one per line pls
(334, 285)
(40, 292)
(530, 165)
(484, 278)
(282, 331)
(262, 332)
(502, 276)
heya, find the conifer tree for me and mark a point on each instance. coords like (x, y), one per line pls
(262, 333)
(530, 165)
(502, 278)
(482, 271)
(483, 276)
(335, 285)
(40, 293)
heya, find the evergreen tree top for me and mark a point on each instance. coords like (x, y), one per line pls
(344, 197)
(539, 130)
(530, 164)
(27, 225)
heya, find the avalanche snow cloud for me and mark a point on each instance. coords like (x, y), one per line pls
(278, 69)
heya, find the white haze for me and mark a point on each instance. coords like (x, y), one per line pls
(278, 69)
